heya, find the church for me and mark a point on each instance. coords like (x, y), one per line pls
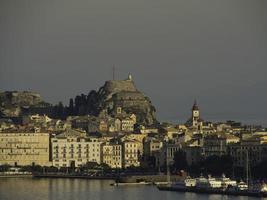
(195, 122)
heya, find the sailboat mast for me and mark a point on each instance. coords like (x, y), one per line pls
(247, 169)
(167, 166)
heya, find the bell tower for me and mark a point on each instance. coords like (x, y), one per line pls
(195, 115)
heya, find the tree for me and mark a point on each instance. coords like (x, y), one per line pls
(180, 162)
(91, 165)
(60, 110)
(4, 168)
(259, 171)
(218, 165)
(71, 107)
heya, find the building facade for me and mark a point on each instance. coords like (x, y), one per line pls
(24, 148)
(250, 151)
(217, 144)
(131, 153)
(112, 155)
(73, 151)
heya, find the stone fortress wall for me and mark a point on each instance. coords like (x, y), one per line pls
(120, 85)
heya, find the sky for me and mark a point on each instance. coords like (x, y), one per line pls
(214, 51)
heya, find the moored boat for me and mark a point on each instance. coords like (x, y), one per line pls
(210, 185)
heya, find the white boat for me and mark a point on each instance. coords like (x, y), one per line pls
(187, 183)
(263, 188)
(208, 183)
(239, 187)
(258, 188)
(227, 182)
(242, 186)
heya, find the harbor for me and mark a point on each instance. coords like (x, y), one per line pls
(222, 186)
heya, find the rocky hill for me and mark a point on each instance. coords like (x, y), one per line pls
(114, 94)
(13, 102)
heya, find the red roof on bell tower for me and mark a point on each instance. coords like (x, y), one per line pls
(195, 106)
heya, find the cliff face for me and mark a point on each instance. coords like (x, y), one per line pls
(12, 102)
(114, 94)
(124, 94)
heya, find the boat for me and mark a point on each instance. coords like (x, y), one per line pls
(131, 184)
(227, 182)
(211, 185)
(187, 183)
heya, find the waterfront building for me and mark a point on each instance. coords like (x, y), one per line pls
(217, 144)
(166, 155)
(193, 154)
(252, 150)
(152, 146)
(112, 154)
(138, 138)
(73, 149)
(24, 148)
(131, 153)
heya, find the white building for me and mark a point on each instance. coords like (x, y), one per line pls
(24, 148)
(127, 124)
(75, 149)
(112, 155)
(131, 153)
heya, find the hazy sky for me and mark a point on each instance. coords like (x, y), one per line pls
(176, 50)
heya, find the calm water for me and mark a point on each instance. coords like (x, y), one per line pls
(79, 189)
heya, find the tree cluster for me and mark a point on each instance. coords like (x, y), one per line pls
(214, 165)
(81, 105)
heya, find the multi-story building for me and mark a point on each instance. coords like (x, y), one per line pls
(131, 153)
(127, 124)
(36, 119)
(166, 155)
(217, 144)
(103, 125)
(250, 151)
(152, 146)
(193, 154)
(24, 148)
(112, 155)
(73, 149)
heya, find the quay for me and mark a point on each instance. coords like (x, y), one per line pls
(211, 191)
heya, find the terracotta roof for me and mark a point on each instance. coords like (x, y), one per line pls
(195, 106)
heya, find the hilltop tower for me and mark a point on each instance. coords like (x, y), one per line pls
(130, 78)
(195, 115)
(195, 122)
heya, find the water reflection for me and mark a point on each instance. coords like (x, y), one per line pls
(82, 189)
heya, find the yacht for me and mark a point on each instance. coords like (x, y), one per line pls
(242, 186)
(227, 182)
(187, 183)
(208, 183)
(239, 187)
(258, 188)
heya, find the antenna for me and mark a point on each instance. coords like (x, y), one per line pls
(113, 72)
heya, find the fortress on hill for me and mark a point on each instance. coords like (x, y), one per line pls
(124, 94)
